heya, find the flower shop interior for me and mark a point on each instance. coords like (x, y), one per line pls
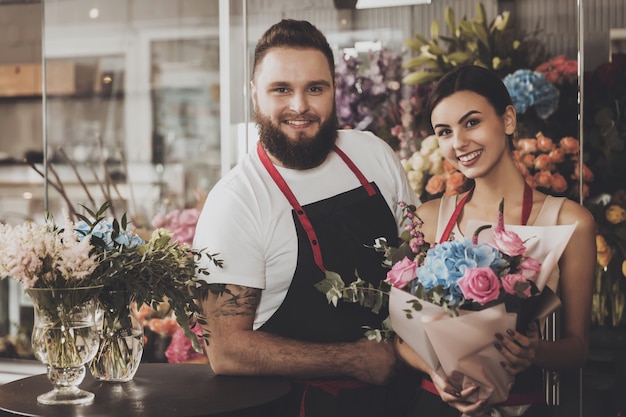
(145, 103)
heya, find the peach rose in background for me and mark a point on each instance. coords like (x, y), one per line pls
(543, 162)
(447, 167)
(557, 155)
(455, 183)
(542, 179)
(528, 160)
(570, 145)
(527, 145)
(436, 184)
(558, 183)
(544, 143)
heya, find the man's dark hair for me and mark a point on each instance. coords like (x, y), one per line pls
(289, 33)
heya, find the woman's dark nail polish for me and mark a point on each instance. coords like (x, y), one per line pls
(498, 346)
(510, 332)
(499, 336)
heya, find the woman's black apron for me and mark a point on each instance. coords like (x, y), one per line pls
(341, 227)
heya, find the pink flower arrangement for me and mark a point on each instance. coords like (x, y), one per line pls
(46, 256)
(559, 70)
(182, 223)
(463, 273)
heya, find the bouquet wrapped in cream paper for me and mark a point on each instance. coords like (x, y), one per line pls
(449, 303)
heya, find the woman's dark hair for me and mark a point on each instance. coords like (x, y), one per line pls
(473, 78)
(291, 33)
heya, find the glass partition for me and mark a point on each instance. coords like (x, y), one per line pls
(132, 104)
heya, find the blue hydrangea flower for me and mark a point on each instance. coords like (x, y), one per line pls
(445, 265)
(104, 230)
(531, 89)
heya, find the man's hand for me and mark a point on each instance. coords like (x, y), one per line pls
(375, 363)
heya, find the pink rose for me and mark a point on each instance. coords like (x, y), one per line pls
(527, 145)
(529, 269)
(402, 273)
(189, 217)
(508, 242)
(510, 284)
(480, 285)
(159, 221)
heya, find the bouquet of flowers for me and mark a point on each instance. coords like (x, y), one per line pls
(150, 272)
(55, 269)
(447, 301)
(449, 306)
(46, 256)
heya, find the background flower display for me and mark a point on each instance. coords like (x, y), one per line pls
(553, 167)
(605, 124)
(609, 291)
(430, 174)
(180, 349)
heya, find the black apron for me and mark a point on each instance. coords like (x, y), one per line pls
(340, 226)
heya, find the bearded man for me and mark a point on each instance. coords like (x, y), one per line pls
(307, 199)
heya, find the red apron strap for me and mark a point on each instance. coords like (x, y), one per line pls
(455, 216)
(364, 182)
(527, 207)
(333, 387)
(304, 219)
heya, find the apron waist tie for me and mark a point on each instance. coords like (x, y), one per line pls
(331, 386)
(516, 398)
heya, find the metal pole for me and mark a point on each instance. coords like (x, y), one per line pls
(44, 123)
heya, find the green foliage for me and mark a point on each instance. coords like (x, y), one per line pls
(496, 45)
(153, 272)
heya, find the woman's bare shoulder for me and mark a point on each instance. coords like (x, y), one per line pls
(429, 213)
(572, 212)
(429, 209)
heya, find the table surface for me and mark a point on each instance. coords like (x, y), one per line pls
(168, 390)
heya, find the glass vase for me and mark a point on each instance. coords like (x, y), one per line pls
(121, 340)
(65, 337)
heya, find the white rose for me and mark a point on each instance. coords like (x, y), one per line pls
(436, 162)
(429, 144)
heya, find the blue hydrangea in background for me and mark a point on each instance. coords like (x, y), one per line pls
(531, 89)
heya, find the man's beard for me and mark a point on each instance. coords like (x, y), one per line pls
(302, 153)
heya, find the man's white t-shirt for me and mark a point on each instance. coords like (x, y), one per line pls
(248, 221)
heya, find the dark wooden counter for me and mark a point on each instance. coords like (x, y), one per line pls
(158, 390)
